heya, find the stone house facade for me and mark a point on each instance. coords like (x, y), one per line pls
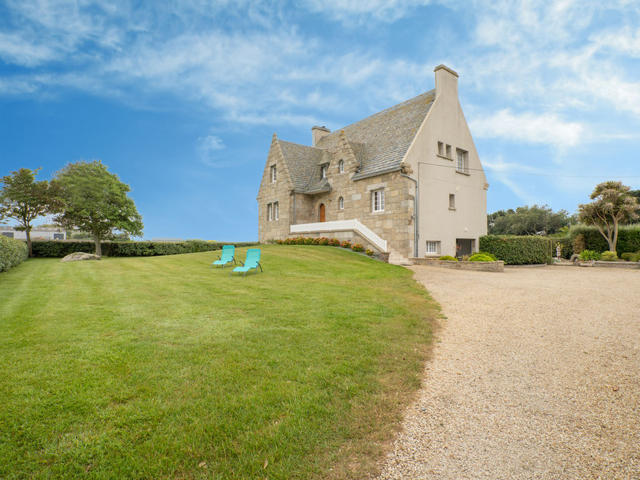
(406, 181)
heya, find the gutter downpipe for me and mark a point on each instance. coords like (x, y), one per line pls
(415, 212)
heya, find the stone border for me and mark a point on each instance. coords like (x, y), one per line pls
(497, 266)
(600, 263)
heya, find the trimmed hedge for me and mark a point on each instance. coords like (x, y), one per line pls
(62, 248)
(12, 252)
(628, 238)
(518, 250)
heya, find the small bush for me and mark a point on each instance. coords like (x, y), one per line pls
(323, 241)
(481, 257)
(586, 255)
(369, 252)
(12, 252)
(334, 242)
(449, 258)
(346, 244)
(631, 257)
(609, 256)
(356, 247)
(518, 250)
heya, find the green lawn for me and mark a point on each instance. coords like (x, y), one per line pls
(162, 367)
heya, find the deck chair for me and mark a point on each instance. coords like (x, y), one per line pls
(252, 261)
(227, 256)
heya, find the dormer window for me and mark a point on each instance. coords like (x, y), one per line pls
(323, 171)
(341, 166)
(273, 174)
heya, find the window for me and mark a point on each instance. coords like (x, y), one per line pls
(276, 211)
(8, 234)
(323, 171)
(273, 174)
(341, 166)
(58, 236)
(377, 200)
(452, 201)
(341, 203)
(462, 165)
(448, 151)
(433, 247)
(440, 148)
(269, 212)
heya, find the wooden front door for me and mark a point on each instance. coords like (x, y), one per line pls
(321, 213)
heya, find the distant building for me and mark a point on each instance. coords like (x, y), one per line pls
(38, 233)
(405, 181)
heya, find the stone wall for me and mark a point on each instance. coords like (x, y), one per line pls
(497, 266)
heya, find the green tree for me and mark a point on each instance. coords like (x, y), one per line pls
(95, 201)
(527, 221)
(611, 207)
(24, 199)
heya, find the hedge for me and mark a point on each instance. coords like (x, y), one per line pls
(61, 248)
(628, 238)
(518, 250)
(12, 252)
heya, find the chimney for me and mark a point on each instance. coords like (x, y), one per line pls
(446, 81)
(317, 133)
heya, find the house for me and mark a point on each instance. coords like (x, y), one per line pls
(406, 181)
(38, 233)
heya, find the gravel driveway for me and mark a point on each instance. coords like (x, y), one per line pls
(535, 374)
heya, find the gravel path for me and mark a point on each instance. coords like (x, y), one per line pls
(535, 375)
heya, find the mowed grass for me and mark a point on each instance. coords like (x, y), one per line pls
(163, 367)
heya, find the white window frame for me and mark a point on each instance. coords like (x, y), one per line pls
(377, 200)
(323, 171)
(462, 161)
(341, 166)
(341, 203)
(269, 212)
(432, 247)
(274, 174)
(276, 210)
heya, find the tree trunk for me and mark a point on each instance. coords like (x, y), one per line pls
(98, 246)
(29, 245)
(612, 245)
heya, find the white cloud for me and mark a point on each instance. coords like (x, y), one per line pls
(545, 128)
(357, 11)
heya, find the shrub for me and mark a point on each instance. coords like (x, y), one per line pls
(628, 238)
(586, 255)
(61, 248)
(323, 241)
(518, 250)
(12, 252)
(609, 256)
(631, 257)
(482, 257)
(334, 242)
(369, 252)
(566, 246)
(356, 247)
(346, 244)
(448, 257)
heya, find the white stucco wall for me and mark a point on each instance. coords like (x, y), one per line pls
(438, 177)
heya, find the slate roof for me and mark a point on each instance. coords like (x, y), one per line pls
(379, 143)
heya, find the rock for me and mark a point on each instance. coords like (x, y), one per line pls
(77, 256)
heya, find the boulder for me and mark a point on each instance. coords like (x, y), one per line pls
(77, 256)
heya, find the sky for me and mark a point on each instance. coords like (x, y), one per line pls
(180, 99)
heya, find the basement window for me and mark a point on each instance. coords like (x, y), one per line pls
(433, 247)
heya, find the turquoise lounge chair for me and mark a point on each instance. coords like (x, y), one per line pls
(227, 256)
(252, 261)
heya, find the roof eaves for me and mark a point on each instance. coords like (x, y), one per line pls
(362, 176)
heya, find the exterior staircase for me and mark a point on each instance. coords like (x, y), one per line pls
(398, 259)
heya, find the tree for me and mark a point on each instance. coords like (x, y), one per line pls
(528, 221)
(24, 199)
(612, 206)
(95, 201)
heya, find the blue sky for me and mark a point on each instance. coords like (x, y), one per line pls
(180, 99)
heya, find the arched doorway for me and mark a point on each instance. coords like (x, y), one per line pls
(321, 215)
